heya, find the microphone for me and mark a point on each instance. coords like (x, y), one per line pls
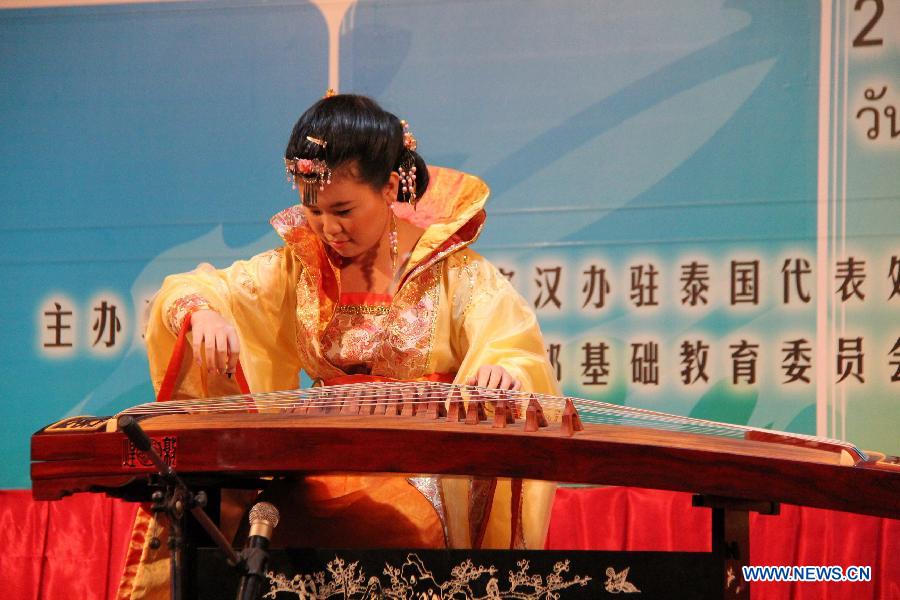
(255, 556)
(263, 521)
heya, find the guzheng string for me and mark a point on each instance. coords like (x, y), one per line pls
(332, 399)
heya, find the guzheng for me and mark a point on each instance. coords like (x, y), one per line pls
(438, 428)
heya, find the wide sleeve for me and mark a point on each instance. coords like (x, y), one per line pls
(493, 325)
(258, 296)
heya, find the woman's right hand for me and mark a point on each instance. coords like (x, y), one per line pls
(218, 338)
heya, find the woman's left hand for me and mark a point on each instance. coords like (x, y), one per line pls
(494, 377)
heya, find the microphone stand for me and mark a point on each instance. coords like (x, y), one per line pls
(171, 503)
(255, 555)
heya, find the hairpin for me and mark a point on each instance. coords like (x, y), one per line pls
(407, 168)
(409, 140)
(314, 172)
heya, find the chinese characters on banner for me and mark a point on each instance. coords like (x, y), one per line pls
(66, 327)
(745, 284)
(857, 207)
(100, 326)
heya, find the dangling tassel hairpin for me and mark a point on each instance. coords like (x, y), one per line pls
(313, 172)
(407, 168)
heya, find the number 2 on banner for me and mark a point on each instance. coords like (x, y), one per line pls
(861, 40)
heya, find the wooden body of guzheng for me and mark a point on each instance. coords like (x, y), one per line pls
(437, 428)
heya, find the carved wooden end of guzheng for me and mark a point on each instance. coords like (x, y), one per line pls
(444, 429)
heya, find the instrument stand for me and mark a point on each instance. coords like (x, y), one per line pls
(170, 499)
(731, 538)
(169, 502)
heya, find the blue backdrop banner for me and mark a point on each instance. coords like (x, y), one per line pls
(698, 198)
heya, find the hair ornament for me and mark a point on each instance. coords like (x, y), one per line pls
(407, 167)
(313, 172)
(329, 93)
(409, 140)
(407, 172)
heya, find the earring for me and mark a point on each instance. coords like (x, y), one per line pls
(392, 241)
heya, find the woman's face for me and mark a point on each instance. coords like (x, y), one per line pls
(351, 216)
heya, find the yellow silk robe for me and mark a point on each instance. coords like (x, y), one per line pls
(452, 313)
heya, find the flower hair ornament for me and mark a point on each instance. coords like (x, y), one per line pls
(407, 168)
(313, 172)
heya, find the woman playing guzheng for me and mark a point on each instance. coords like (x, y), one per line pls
(375, 279)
